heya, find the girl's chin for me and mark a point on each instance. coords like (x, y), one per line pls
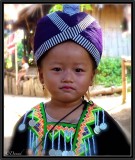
(66, 98)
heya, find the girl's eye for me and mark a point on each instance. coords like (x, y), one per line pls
(79, 70)
(56, 69)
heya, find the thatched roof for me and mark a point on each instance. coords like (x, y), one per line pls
(29, 16)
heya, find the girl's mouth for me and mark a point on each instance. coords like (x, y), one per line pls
(67, 88)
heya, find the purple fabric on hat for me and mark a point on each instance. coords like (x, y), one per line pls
(94, 35)
(45, 30)
(58, 27)
(76, 18)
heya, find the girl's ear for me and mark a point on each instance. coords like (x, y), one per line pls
(41, 77)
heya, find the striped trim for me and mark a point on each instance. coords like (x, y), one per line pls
(58, 21)
(69, 33)
(89, 46)
(62, 26)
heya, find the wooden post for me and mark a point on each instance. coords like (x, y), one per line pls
(6, 84)
(16, 70)
(125, 63)
(10, 85)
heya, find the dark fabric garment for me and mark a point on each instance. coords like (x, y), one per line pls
(109, 142)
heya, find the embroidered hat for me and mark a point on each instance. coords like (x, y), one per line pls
(70, 24)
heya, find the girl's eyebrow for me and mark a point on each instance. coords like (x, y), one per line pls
(80, 63)
(54, 63)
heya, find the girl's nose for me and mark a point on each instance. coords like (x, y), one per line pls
(67, 77)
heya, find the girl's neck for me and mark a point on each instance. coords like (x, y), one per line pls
(58, 109)
(55, 104)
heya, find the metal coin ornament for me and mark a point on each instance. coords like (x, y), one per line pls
(32, 122)
(58, 153)
(65, 153)
(71, 153)
(22, 127)
(103, 126)
(52, 152)
(97, 130)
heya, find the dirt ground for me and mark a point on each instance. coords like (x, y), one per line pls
(16, 106)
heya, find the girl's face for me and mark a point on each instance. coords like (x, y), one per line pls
(67, 72)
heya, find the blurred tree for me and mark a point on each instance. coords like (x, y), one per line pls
(59, 7)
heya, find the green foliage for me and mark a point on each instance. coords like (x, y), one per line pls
(59, 7)
(20, 50)
(20, 54)
(109, 72)
(129, 74)
(85, 7)
(8, 63)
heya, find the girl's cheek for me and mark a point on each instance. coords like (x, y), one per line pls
(47, 75)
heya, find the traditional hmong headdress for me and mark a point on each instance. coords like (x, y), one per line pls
(71, 24)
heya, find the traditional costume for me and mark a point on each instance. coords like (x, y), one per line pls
(96, 133)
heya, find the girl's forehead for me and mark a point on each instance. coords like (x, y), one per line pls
(67, 50)
(67, 47)
(67, 53)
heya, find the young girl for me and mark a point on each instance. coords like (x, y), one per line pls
(68, 48)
